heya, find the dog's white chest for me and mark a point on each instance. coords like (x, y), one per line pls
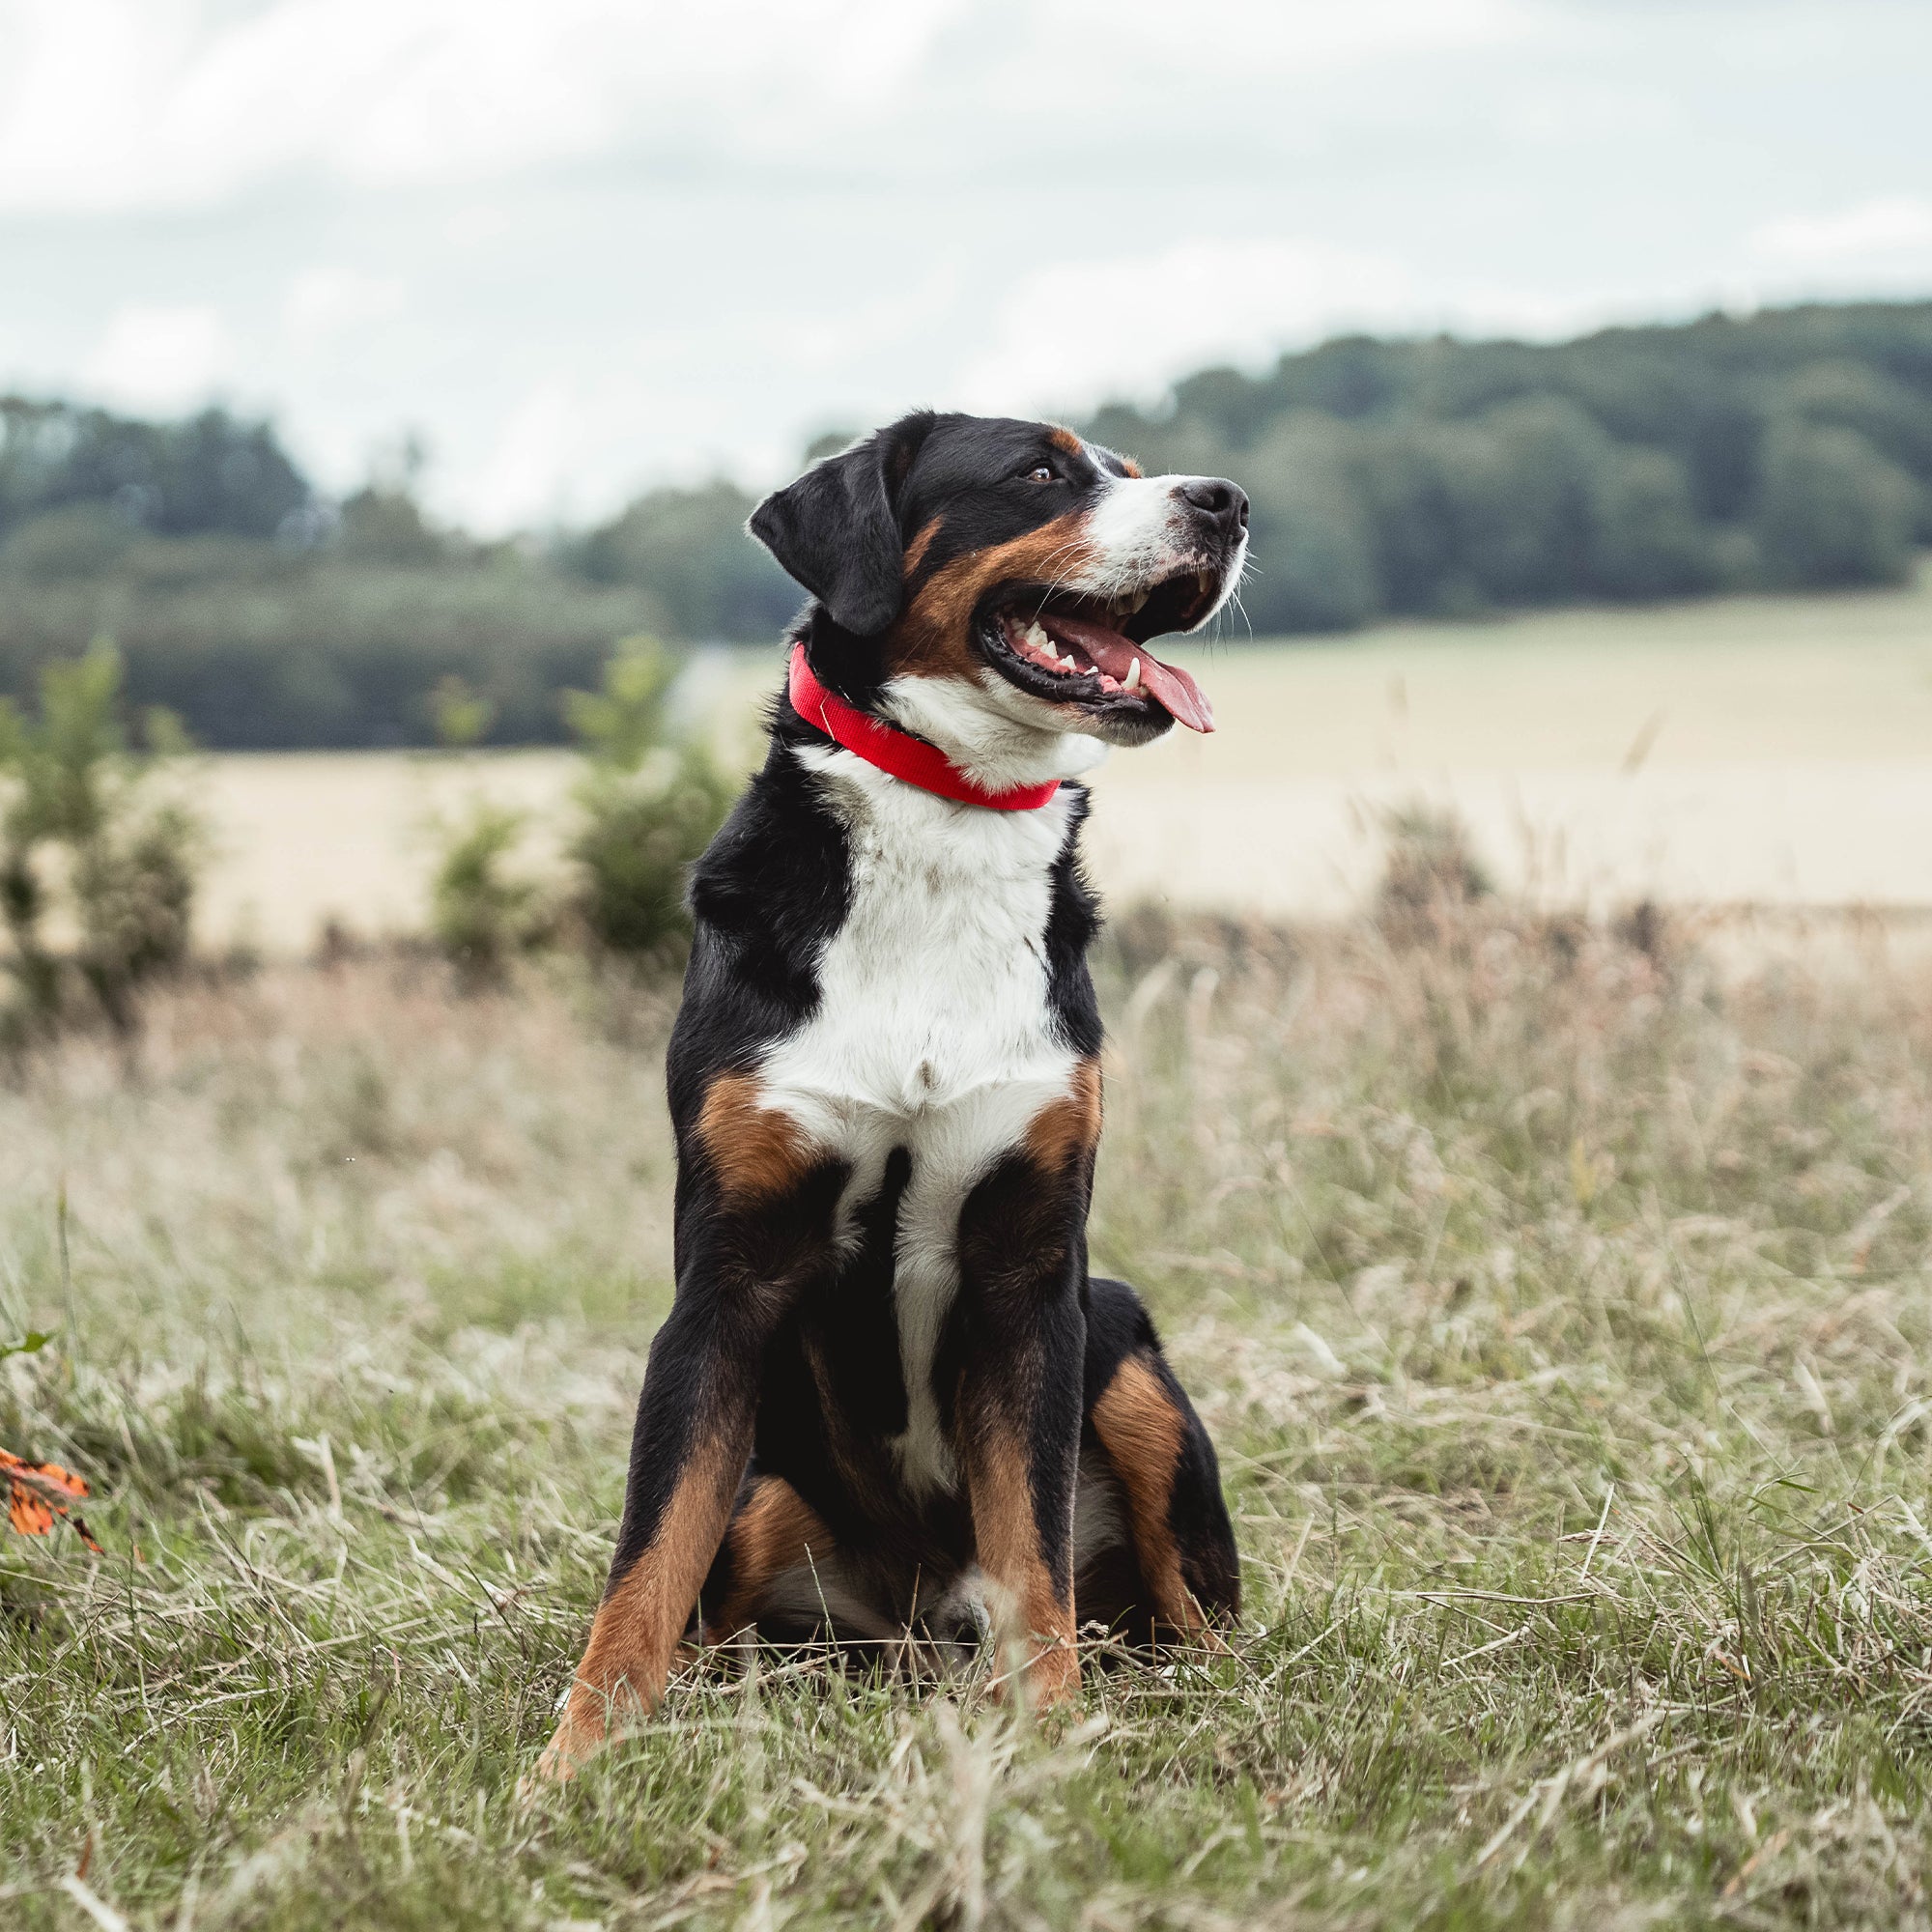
(934, 1033)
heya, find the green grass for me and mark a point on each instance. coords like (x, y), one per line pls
(1562, 1310)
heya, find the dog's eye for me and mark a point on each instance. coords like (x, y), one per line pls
(1040, 472)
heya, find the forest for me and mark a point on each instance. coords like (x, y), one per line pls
(1791, 449)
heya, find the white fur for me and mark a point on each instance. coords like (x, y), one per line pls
(996, 733)
(820, 1590)
(932, 1034)
(825, 1592)
(1138, 532)
(1100, 1511)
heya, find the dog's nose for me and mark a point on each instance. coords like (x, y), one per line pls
(1224, 504)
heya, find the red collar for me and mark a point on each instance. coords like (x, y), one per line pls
(899, 753)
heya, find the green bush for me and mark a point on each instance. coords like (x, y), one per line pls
(650, 801)
(99, 854)
(482, 913)
(646, 805)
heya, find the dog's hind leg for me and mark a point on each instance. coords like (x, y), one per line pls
(1157, 1550)
(780, 1574)
(773, 1534)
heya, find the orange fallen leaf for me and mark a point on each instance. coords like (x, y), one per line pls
(37, 1492)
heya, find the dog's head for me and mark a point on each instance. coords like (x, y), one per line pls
(992, 585)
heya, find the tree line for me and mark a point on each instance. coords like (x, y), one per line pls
(1791, 449)
(1438, 477)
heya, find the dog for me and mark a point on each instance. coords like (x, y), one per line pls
(890, 1404)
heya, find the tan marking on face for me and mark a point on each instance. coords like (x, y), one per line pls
(638, 1625)
(1131, 468)
(1065, 1129)
(1142, 1433)
(1065, 439)
(916, 550)
(932, 636)
(1008, 1549)
(755, 1151)
(776, 1531)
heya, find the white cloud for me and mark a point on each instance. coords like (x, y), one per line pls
(1074, 333)
(526, 477)
(1892, 225)
(324, 302)
(142, 103)
(612, 241)
(152, 355)
(138, 103)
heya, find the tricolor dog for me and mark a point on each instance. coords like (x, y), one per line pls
(890, 1404)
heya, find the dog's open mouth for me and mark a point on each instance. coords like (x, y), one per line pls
(1070, 648)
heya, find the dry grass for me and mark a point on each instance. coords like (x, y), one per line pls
(1561, 1309)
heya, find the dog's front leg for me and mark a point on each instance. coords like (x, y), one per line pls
(688, 1452)
(1022, 1335)
(744, 1250)
(1020, 1435)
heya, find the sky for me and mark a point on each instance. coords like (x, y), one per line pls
(582, 247)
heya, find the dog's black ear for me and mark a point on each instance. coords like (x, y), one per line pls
(836, 528)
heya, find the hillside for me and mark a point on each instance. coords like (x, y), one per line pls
(1789, 450)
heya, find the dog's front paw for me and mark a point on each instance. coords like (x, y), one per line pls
(1052, 1676)
(591, 1721)
(568, 1751)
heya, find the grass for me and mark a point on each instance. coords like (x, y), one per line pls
(1561, 1308)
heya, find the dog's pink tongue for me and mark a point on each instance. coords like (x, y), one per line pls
(1166, 684)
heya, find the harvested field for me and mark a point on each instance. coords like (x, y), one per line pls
(1767, 751)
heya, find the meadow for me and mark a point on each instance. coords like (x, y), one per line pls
(1558, 1299)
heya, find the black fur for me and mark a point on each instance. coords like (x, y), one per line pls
(842, 528)
(782, 1336)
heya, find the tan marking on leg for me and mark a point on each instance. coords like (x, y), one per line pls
(1026, 1603)
(930, 637)
(636, 1631)
(777, 1530)
(1065, 1129)
(1143, 1433)
(755, 1151)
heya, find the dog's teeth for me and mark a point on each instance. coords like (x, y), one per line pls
(1132, 681)
(1140, 597)
(1037, 639)
(1205, 578)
